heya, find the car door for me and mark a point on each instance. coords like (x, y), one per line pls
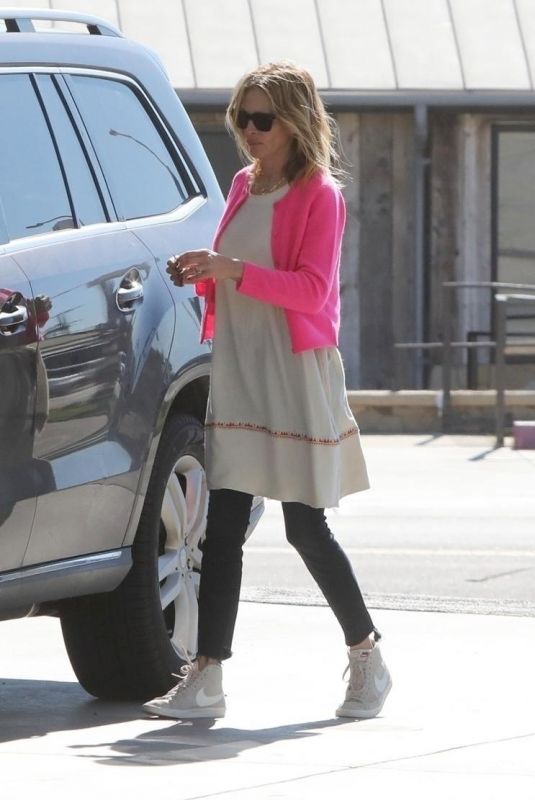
(19, 471)
(153, 184)
(105, 310)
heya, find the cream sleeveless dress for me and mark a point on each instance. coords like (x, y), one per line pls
(278, 423)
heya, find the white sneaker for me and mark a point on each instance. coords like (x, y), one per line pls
(199, 694)
(368, 686)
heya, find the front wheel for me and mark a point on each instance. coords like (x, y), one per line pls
(127, 643)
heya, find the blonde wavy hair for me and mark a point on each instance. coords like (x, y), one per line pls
(296, 102)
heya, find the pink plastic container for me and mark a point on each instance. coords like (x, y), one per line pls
(524, 435)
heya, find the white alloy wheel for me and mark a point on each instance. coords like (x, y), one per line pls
(182, 528)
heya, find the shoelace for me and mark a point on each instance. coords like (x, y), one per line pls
(357, 675)
(188, 673)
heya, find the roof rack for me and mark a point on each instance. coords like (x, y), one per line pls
(21, 20)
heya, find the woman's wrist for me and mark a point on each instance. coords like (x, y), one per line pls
(236, 273)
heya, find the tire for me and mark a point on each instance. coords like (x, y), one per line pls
(126, 644)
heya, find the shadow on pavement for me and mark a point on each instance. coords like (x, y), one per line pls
(194, 741)
(484, 453)
(31, 708)
(433, 437)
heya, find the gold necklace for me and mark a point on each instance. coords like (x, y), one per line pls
(270, 187)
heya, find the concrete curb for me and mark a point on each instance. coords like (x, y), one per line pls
(419, 411)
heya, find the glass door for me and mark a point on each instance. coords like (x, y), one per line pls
(514, 216)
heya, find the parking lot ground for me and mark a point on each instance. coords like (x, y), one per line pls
(448, 523)
(459, 722)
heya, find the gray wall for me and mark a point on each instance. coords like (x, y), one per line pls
(378, 277)
(378, 259)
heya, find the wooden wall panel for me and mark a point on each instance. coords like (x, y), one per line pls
(403, 250)
(349, 272)
(376, 250)
(444, 221)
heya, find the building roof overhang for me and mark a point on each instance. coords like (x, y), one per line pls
(344, 99)
(361, 53)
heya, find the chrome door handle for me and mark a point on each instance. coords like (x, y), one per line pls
(12, 319)
(128, 294)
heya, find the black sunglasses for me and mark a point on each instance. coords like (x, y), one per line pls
(262, 120)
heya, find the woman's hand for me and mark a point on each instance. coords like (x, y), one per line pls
(200, 265)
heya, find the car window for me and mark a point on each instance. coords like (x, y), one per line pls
(87, 202)
(139, 165)
(32, 190)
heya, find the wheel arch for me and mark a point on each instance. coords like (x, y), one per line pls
(187, 394)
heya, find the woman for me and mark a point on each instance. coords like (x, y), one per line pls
(278, 422)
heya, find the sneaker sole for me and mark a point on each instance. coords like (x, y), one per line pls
(363, 713)
(187, 713)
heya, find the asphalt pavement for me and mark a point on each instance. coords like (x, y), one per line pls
(448, 524)
(458, 724)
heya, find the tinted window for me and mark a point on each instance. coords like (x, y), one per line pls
(86, 200)
(142, 175)
(32, 190)
(515, 211)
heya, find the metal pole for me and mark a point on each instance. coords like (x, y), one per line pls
(420, 244)
(446, 357)
(472, 363)
(501, 310)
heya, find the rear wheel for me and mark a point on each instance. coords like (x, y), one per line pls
(127, 643)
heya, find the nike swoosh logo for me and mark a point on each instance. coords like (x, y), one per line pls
(204, 699)
(381, 683)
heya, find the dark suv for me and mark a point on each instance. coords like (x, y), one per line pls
(103, 381)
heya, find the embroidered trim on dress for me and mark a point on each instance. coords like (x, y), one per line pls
(250, 426)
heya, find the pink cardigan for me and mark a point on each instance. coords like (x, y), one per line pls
(306, 238)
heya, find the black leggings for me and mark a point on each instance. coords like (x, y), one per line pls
(308, 532)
